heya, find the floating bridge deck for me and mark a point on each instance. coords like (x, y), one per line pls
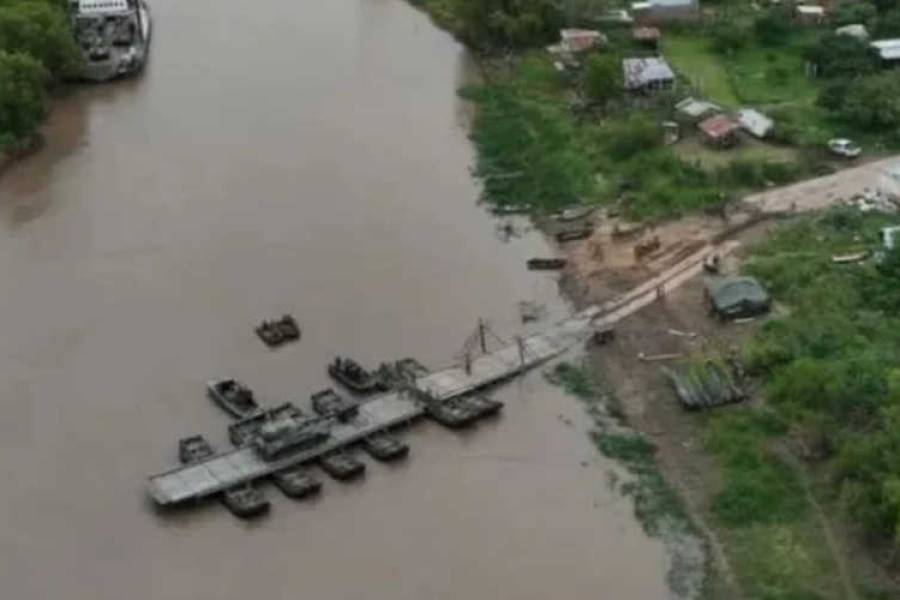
(241, 465)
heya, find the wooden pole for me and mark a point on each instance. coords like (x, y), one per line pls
(481, 336)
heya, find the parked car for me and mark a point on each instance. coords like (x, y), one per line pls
(844, 147)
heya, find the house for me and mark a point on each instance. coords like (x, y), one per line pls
(720, 130)
(693, 110)
(888, 50)
(855, 31)
(650, 12)
(755, 123)
(648, 36)
(647, 74)
(808, 14)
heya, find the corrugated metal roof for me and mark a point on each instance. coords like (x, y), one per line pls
(641, 72)
(888, 49)
(755, 122)
(718, 126)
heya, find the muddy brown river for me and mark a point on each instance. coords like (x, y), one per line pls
(309, 158)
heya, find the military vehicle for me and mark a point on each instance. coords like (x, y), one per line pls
(354, 377)
(233, 397)
(451, 413)
(281, 331)
(242, 432)
(283, 435)
(329, 403)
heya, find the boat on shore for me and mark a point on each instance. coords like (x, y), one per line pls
(113, 35)
(546, 264)
(245, 501)
(234, 397)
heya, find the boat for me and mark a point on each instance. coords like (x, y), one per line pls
(451, 413)
(278, 332)
(575, 213)
(194, 449)
(342, 466)
(482, 405)
(242, 432)
(329, 403)
(113, 35)
(296, 483)
(385, 447)
(277, 437)
(354, 377)
(571, 235)
(546, 264)
(245, 501)
(234, 397)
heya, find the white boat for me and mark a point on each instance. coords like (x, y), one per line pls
(114, 36)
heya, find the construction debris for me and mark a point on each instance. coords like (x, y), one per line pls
(570, 235)
(708, 385)
(546, 264)
(642, 249)
(531, 311)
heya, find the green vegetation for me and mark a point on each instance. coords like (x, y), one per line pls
(830, 367)
(695, 58)
(771, 535)
(36, 51)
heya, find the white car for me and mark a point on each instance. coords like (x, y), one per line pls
(844, 147)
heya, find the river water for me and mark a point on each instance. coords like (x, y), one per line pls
(278, 157)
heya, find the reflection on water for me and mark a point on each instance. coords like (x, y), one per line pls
(278, 158)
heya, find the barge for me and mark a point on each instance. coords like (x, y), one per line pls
(296, 483)
(245, 501)
(384, 447)
(342, 466)
(354, 377)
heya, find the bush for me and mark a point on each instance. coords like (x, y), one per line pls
(840, 56)
(873, 103)
(631, 136)
(23, 99)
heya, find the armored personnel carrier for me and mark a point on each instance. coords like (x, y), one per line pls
(328, 403)
(193, 449)
(245, 501)
(233, 397)
(277, 437)
(342, 466)
(296, 483)
(385, 447)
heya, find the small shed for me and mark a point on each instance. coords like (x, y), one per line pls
(647, 74)
(648, 12)
(737, 297)
(855, 31)
(720, 130)
(888, 50)
(580, 40)
(648, 36)
(693, 110)
(809, 14)
(755, 123)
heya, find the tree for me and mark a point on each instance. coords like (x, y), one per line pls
(23, 99)
(773, 27)
(840, 56)
(602, 77)
(852, 12)
(728, 37)
(873, 102)
(42, 31)
(516, 24)
(888, 25)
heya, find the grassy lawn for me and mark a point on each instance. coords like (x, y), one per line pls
(693, 58)
(771, 76)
